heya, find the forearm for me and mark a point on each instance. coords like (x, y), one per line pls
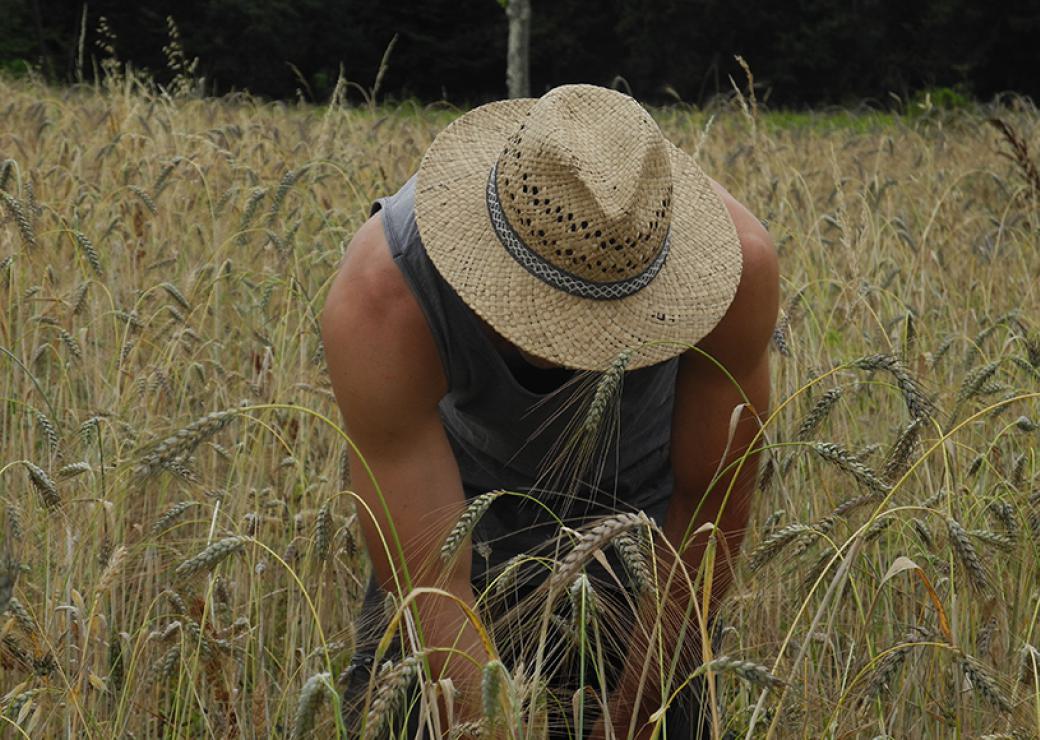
(454, 647)
(441, 598)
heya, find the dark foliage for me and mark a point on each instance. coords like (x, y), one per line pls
(803, 52)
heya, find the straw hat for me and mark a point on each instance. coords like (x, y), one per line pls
(576, 230)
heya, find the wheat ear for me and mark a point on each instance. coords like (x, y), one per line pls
(967, 554)
(592, 540)
(464, 526)
(606, 388)
(43, 485)
(393, 682)
(209, 558)
(753, 673)
(983, 682)
(309, 703)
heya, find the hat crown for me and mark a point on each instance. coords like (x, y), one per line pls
(586, 183)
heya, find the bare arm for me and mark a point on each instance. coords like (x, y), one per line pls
(388, 379)
(706, 398)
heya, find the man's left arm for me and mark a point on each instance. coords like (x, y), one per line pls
(722, 396)
(714, 472)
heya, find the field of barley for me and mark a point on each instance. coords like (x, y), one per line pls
(179, 545)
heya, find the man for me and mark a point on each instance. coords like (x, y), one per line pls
(540, 238)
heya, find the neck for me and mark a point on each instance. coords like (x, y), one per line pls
(533, 373)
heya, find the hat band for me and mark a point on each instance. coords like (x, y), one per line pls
(548, 273)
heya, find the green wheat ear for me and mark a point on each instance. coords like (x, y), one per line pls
(606, 390)
(492, 682)
(311, 697)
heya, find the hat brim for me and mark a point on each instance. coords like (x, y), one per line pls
(675, 310)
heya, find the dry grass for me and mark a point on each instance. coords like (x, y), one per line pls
(179, 552)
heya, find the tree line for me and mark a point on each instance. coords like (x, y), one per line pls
(802, 52)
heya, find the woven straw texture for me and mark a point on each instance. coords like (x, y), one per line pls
(591, 188)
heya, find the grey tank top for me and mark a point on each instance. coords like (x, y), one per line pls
(505, 436)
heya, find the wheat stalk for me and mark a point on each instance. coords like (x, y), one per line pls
(463, 730)
(967, 554)
(971, 386)
(5, 172)
(175, 293)
(284, 185)
(167, 664)
(249, 212)
(464, 526)
(49, 431)
(212, 556)
(993, 539)
(632, 550)
(818, 413)
(174, 448)
(18, 215)
(844, 460)
(1019, 152)
(923, 533)
(163, 179)
(849, 505)
(309, 703)
(889, 666)
(898, 458)
(983, 682)
(1029, 664)
(90, 252)
(591, 541)
(606, 389)
(21, 616)
(71, 344)
(114, 568)
(43, 485)
(170, 516)
(146, 199)
(323, 532)
(73, 469)
(753, 673)
(774, 543)
(917, 401)
(583, 603)
(493, 679)
(392, 686)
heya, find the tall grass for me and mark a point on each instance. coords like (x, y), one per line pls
(180, 550)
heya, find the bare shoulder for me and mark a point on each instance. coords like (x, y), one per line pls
(743, 334)
(379, 349)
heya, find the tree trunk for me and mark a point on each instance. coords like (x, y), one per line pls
(45, 59)
(518, 54)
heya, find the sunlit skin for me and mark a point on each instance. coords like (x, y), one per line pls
(388, 380)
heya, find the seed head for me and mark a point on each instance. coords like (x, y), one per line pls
(310, 701)
(464, 526)
(967, 554)
(43, 485)
(211, 556)
(753, 673)
(606, 390)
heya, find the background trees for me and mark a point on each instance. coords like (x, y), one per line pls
(803, 52)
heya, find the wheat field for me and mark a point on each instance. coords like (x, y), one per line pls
(180, 552)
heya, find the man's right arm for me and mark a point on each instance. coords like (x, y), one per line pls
(387, 377)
